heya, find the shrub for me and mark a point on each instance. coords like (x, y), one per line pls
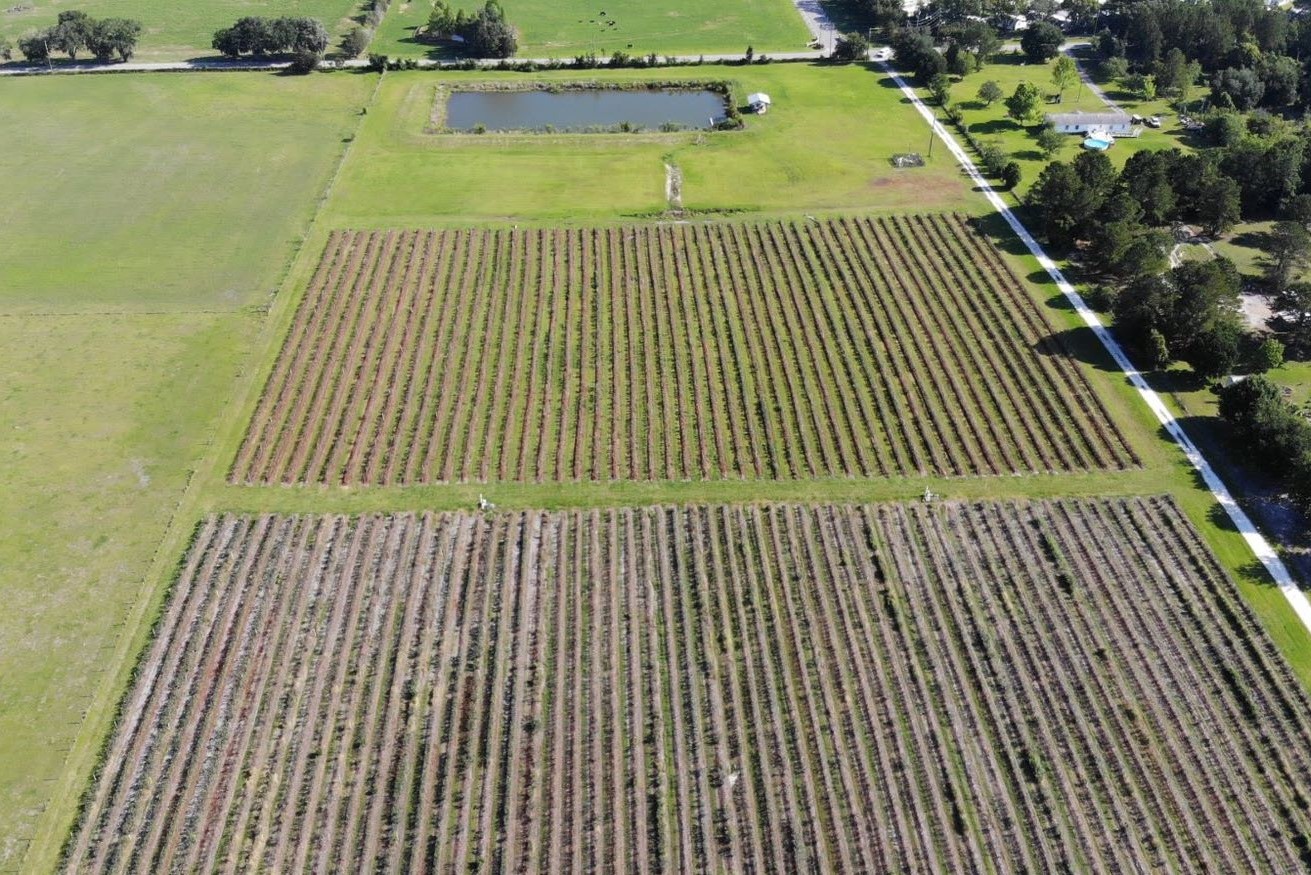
(356, 41)
(303, 62)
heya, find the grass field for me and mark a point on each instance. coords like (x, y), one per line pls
(566, 28)
(178, 30)
(776, 350)
(183, 196)
(825, 145)
(149, 193)
(1025, 687)
(104, 417)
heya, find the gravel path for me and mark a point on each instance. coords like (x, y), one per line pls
(1265, 553)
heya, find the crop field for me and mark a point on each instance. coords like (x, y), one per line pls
(1042, 687)
(851, 347)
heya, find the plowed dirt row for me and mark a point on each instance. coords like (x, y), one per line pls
(850, 347)
(1055, 686)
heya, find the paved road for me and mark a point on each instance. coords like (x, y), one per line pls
(1265, 553)
(1068, 49)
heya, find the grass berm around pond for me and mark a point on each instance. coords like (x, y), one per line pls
(825, 145)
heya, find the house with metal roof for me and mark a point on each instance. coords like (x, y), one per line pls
(1117, 124)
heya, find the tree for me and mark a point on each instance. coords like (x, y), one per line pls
(36, 46)
(1050, 140)
(6, 50)
(1062, 201)
(1011, 175)
(71, 33)
(851, 47)
(1146, 178)
(356, 41)
(1293, 305)
(915, 52)
(1115, 68)
(1241, 85)
(1098, 175)
(1025, 103)
(304, 61)
(307, 35)
(114, 36)
(1225, 128)
(1214, 351)
(489, 36)
(1041, 42)
(1288, 253)
(940, 88)
(1141, 84)
(1280, 76)
(1064, 74)
(1172, 71)
(1268, 355)
(990, 92)
(1221, 206)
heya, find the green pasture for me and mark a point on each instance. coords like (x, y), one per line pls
(162, 192)
(104, 418)
(177, 30)
(825, 145)
(566, 28)
(144, 218)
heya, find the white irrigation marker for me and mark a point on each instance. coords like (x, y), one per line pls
(1260, 546)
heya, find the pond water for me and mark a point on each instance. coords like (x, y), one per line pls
(579, 109)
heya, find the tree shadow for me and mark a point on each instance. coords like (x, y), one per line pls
(433, 51)
(994, 126)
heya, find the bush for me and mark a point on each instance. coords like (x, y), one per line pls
(304, 61)
(356, 42)
(851, 47)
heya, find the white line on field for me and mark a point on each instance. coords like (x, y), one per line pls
(1251, 534)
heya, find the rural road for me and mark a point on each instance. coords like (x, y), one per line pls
(1266, 554)
(228, 65)
(812, 13)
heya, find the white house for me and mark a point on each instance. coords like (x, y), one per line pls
(759, 102)
(1117, 124)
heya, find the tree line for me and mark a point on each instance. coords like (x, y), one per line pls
(253, 35)
(76, 32)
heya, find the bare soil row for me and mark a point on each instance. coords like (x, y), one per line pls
(1051, 686)
(780, 350)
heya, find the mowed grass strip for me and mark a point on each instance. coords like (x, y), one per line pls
(1043, 686)
(778, 350)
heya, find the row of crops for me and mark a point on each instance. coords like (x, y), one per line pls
(1043, 687)
(848, 347)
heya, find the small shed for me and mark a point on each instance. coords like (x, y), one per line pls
(1116, 124)
(759, 102)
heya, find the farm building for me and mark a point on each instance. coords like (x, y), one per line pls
(1117, 124)
(759, 102)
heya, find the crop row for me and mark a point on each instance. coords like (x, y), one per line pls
(1056, 686)
(848, 347)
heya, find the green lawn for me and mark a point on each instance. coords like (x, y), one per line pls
(991, 124)
(104, 417)
(143, 216)
(162, 192)
(176, 30)
(825, 145)
(564, 28)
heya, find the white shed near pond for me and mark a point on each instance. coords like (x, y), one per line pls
(759, 102)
